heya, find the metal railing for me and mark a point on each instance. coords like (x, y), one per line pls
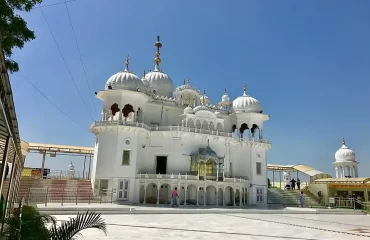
(176, 128)
(68, 195)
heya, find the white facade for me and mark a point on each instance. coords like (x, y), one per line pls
(345, 162)
(153, 138)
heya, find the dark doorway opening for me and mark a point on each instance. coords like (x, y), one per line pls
(161, 165)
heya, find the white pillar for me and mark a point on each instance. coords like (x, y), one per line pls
(336, 172)
(197, 195)
(217, 172)
(185, 195)
(217, 197)
(205, 196)
(144, 194)
(343, 172)
(158, 188)
(240, 197)
(356, 171)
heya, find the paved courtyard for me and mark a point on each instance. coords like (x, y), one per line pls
(232, 226)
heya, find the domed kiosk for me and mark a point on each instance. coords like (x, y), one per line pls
(345, 162)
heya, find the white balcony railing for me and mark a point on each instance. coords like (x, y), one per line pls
(176, 128)
(184, 177)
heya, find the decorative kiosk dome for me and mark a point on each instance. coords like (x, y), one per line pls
(246, 103)
(204, 100)
(225, 98)
(188, 110)
(124, 80)
(159, 81)
(345, 154)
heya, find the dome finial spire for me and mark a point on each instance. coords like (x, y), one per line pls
(225, 91)
(343, 141)
(188, 81)
(144, 73)
(157, 58)
(127, 62)
(245, 89)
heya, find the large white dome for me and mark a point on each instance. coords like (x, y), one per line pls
(345, 154)
(124, 80)
(160, 82)
(246, 103)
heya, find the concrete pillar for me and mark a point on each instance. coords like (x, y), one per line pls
(234, 196)
(240, 197)
(197, 195)
(158, 188)
(336, 172)
(43, 164)
(343, 172)
(185, 195)
(83, 172)
(217, 197)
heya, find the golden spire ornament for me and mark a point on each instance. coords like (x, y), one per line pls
(157, 58)
(225, 91)
(144, 74)
(127, 62)
(343, 141)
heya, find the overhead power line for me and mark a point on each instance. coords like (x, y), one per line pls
(53, 4)
(65, 63)
(52, 103)
(79, 53)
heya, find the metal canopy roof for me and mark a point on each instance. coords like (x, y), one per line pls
(8, 118)
(64, 149)
(299, 167)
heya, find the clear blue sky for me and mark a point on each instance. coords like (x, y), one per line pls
(307, 62)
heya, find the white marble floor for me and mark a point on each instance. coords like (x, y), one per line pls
(232, 226)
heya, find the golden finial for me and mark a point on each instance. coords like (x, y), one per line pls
(343, 141)
(245, 87)
(127, 62)
(144, 74)
(225, 91)
(158, 45)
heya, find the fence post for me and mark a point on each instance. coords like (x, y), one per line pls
(76, 195)
(46, 197)
(62, 195)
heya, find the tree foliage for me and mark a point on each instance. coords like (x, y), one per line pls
(35, 226)
(13, 29)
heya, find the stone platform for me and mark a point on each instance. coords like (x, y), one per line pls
(231, 226)
(70, 209)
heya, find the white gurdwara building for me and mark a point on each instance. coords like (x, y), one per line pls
(153, 138)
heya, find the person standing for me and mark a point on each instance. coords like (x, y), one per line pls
(298, 184)
(301, 199)
(174, 198)
(293, 183)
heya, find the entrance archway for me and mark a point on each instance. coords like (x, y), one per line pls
(165, 194)
(151, 193)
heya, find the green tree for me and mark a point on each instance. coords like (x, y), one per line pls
(13, 29)
(35, 226)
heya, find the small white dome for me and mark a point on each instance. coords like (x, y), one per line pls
(345, 154)
(124, 80)
(225, 98)
(160, 82)
(188, 110)
(246, 103)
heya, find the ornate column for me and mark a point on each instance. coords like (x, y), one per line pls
(245, 194)
(240, 197)
(217, 169)
(234, 197)
(158, 188)
(217, 196)
(356, 171)
(198, 195)
(260, 131)
(336, 172)
(144, 194)
(186, 190)
(343, 172)
(223, 197)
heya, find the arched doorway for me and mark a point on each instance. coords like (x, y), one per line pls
(211, 195)
(151, 193)
(127, 112)
(229, 196)
(191, 197)
(165, 194)
(142, 194)
(242, 128)
(255, 130)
